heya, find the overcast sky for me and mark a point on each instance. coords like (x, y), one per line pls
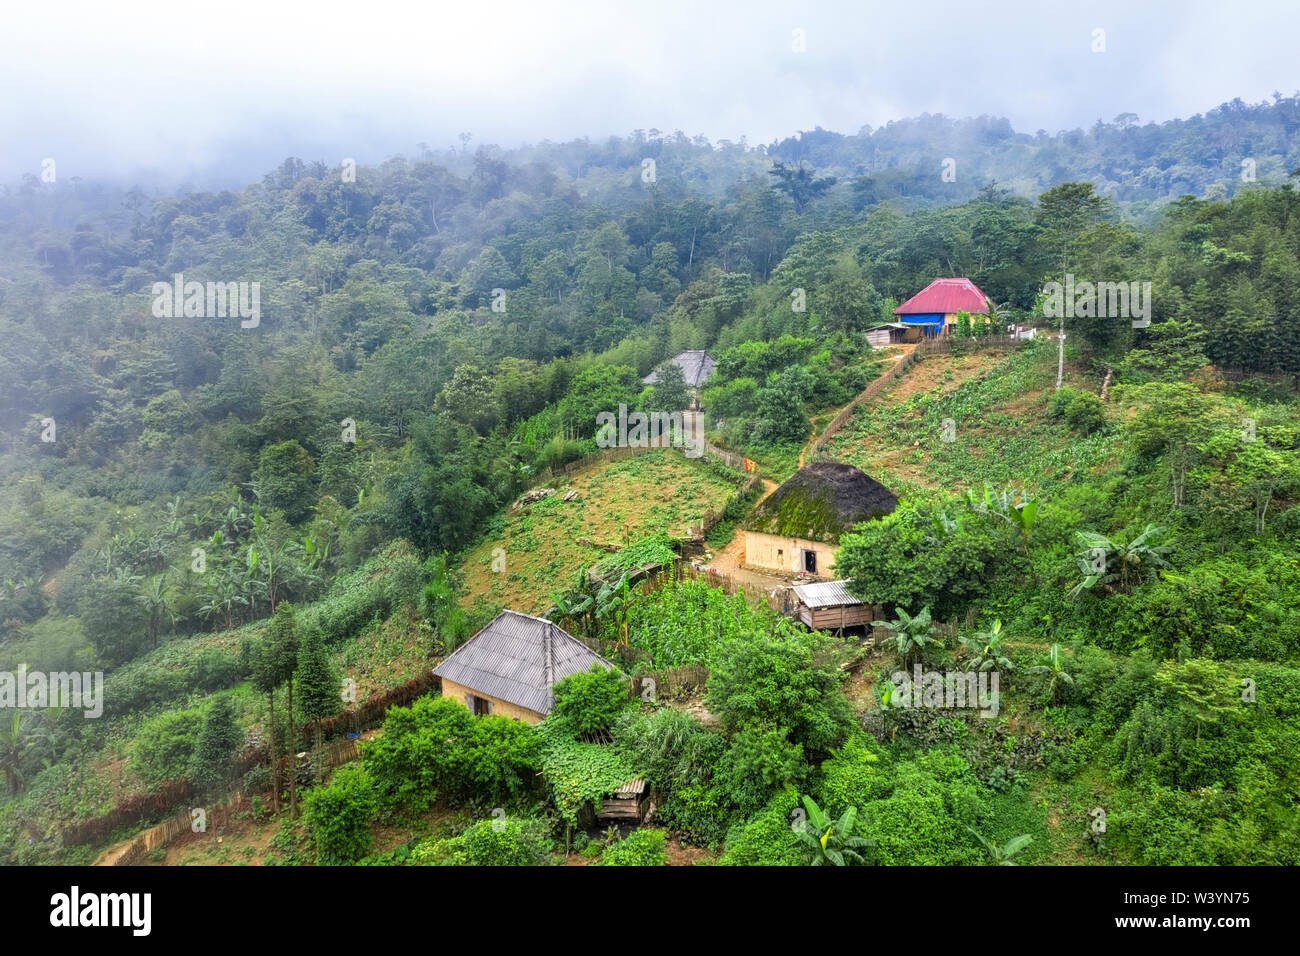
(228, 89)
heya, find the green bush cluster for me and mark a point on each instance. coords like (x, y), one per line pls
(436, 749)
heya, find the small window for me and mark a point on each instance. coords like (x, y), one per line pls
(780, 552)
(482, 707)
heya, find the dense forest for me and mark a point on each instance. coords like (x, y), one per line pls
(212, 513)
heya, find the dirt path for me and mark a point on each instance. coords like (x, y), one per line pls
(898, 353)
(729, 559)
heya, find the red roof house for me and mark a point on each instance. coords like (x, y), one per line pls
(938, 303)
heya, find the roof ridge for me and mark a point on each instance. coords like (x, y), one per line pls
(584, 647)
(499, 615)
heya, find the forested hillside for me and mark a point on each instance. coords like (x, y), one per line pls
(184, 498)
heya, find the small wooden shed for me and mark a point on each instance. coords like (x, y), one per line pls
(627, 802)
(828, 605)
(889, 332)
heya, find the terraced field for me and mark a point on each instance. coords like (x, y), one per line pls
(1000, 432)
(536, 548)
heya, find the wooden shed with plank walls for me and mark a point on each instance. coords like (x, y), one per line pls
(627, 802)
(828, 605)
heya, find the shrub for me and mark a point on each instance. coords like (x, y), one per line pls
(1063, 760)
(780, 682)
(768, 838)
(164, 745)
(212, 669)
(642, 847)
(1085, 413)
(436, 748)
(760, 762)
(138, 686)
(851, 778)
(1060, 401)
(591, 700)
(678, 756)
(338, 816)
(257, 780)
(922, 822)
(501, 841)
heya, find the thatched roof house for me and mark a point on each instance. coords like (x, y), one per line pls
(511, 665)
(798, 526)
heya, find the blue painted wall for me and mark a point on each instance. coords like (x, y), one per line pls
(934, 319)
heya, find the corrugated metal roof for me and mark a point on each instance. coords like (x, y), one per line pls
(696, 367)
(946, 295)
(825, 594)
(632, 788)
(517, 658)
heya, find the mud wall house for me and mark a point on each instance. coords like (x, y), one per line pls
(511, 666)
(797, 528)
(696, 366)
(933, 310)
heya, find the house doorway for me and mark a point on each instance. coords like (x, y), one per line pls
(810, 562)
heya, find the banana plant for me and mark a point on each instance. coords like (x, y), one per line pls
(912, 633)
(1115, 565)
(1020, 516)
(575, 605)
(615, 601)
(1055, 669)
(14, 741)
(1000, 855)
(984, 649)
(827, 841)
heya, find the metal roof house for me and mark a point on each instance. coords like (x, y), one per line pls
(935, 307)
(828, 605)
(696, 366)
(511, 666)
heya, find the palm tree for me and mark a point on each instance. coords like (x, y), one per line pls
(1115, 565)
(830, 842)
(912, 634)
(1001, 855)
(1056, 668)
(984, 649)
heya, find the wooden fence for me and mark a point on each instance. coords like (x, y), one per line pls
(946, 345)
(866, 395)
(711, 518)
(337, 754)
(167, 795)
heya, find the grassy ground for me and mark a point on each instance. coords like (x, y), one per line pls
(995, 406)
(618, 503)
